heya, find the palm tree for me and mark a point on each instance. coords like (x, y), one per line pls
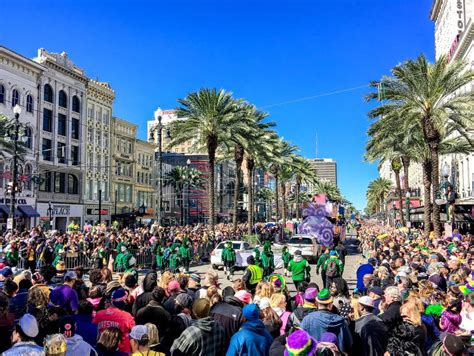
(209, 117)
(305, 172)
(428, 94)
(377, 192)
(179, 178)
(266, 194)
(329, 189)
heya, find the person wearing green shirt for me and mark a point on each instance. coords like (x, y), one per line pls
(185, 255)
(286, 257)
(228, 258)
(159, 258)
(124, 261)
(256, 255)
(333, 267)
(60, 256)
(267, 259)
(173, 260)
(299, 268)
(321, 260)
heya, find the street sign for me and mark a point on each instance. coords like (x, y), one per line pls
(9, 223)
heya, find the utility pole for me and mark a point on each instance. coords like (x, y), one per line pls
(100, 206)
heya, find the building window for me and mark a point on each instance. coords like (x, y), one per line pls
(29, 103)
(45, 179)
(90, 135)
(29, 134)
(62, 99)
(59, 182)
(62, 124)
(48, 93)
(89, 189)
(98, 138)
(47, 120)
(15, 97)
(2, 167)
(75, 129)
(72, 184)
(46, 149)
(91, 160)
(90, 112)
(76, 104)
(61, 152)
(105, 118)
(2, 94)
(74, 155)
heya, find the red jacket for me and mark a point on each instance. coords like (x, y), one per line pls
(113, 316)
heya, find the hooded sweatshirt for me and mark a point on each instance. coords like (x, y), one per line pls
(298, 267)
(322, 321)
(77, 346)
(253, 338)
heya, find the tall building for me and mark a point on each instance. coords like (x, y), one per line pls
(61, 105)
(97, 165)
(454, 34)
(123, 167)
(326, 169)
(145, 187)
(19, 81)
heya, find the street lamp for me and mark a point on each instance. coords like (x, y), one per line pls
(50, 214)
(407, 202)
(394, 209)
(159, 157)
(15, 131)
(449, 194)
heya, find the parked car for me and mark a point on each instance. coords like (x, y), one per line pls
(242, 251)
(308, 245)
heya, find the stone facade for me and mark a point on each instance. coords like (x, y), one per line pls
(145, 178)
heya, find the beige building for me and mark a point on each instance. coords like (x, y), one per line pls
(123, 165)
(145, 177)
(326, 169)
(97, 168)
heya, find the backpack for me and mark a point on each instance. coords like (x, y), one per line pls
(332, 270)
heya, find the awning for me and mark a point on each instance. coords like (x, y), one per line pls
(28, 211)
(5, 212)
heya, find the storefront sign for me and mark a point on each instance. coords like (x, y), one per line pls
(460, 12)
(96, 212)
(61, 210)
(18, 201)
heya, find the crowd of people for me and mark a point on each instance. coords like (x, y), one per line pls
(413, 296)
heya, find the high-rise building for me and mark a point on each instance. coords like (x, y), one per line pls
(97, 164)
(326, 169)
(61, 105)
(145, 178)
(19, 80)
(454, 34)
(123, 166)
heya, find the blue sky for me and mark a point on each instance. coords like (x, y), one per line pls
(268, 52)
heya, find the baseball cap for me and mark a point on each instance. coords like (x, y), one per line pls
(264, 303)
(6, 272)
(454, 345)
(70, 275)
(184, 300)
(29, 325)
(139, 332)
(367, 301)
(243, 296)
(173, 285)
(67, 326)
(376, 290)
(196, 278)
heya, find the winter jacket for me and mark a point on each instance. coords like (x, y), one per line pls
(25, 348)
(86, 329)
(432, 331)
(18, 303)
(450, 322)
(253, 339)
(370, 336)
(229, 315)
(141, 302)
(154, 313)
(204, 338)
(322, 321)
(298, 315)
(401, 340)
(77, 346)
(391, 316)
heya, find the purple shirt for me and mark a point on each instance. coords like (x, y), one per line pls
(65, 297)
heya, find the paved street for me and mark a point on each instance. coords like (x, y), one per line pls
(352, 263)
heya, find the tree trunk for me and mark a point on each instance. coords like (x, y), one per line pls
(277, 198)
(435, 183)
(250, 167)
(284, 208)
(182, 204)
(211, 151)
(239, 157)
(400, 196)
(426, 165)
(406, 166)
(298, 188)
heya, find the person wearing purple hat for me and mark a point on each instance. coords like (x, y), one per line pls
(328, 344)
(300, 343)
(309, 306)
(370, 332)
(323, 320)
